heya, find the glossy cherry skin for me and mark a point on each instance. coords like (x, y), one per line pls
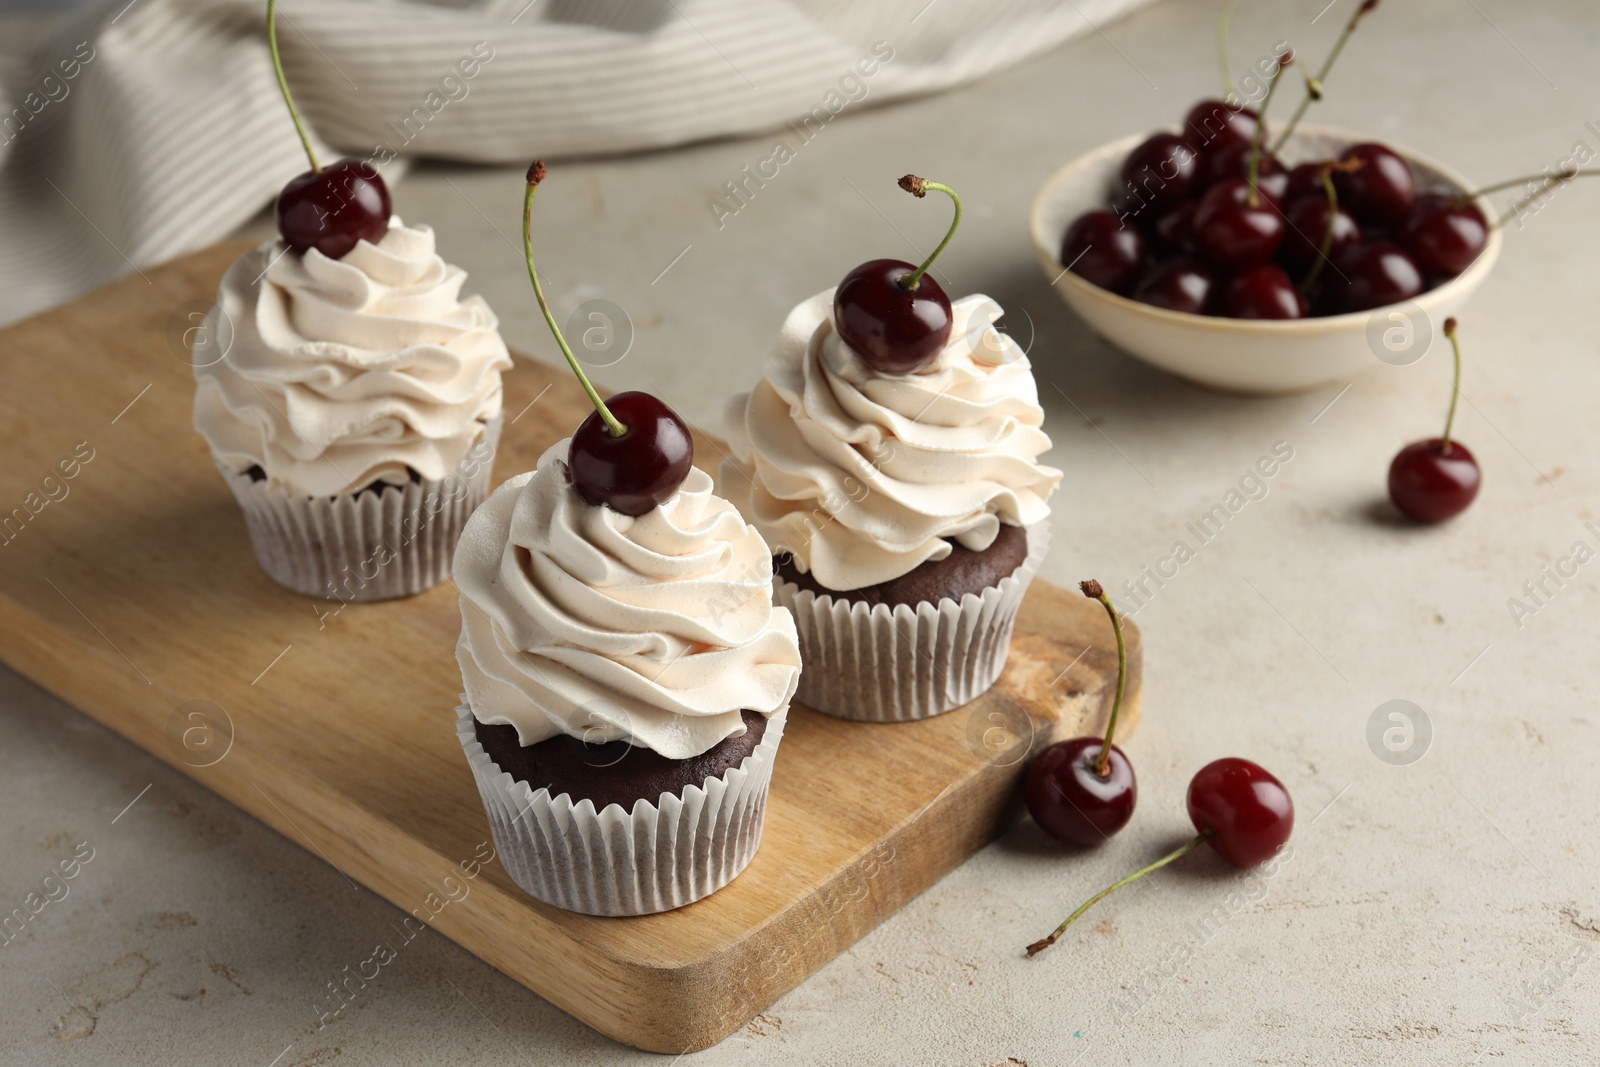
(1233, 233)
(1070, 801)
(639, 470)
(1367, 276)
(332, 211)
(893, 329)
(1379, 192)
(1177, 285)
(1234, 162)
(1444, 237)
(1173, 230)
(1212, 124)
(1431, 484)
(1305, 179)
(1307, 224)
(1247, 811)
(1161, 172)
(1101, 248)
(1263, 291)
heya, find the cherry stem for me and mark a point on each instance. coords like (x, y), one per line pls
(1188, 846)
(1095, 591)
(1326, 246)
(1223, 17)
(1314, 85)
(1549, 182)
(918, 187)
(1455, 385)
(1261, 127)
(535, 176)
(283, 84)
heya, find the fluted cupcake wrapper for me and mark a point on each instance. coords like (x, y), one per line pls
(876, 663)
(369, 545)
(614, 862)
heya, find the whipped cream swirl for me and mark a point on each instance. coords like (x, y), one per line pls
(657, 629)
(862, 476)
(345, 372)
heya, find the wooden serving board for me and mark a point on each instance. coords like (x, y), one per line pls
(129, 589)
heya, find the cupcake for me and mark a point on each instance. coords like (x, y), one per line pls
(906, 508)
(626, 674)
(350, 395)
(355, 412)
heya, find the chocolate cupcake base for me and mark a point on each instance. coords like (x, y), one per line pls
(370, 545)
(880, 659)
(654, 855)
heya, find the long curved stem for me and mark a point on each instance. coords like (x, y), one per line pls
(1261, 127)
(283, 84)
(1055, 935)
(1314, 86)
(1327, 232)
(919, 187)
(1226, 68)
(1455, 385)
(1095, 591)
(535, 176)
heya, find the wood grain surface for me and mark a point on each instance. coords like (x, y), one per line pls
(128, 588)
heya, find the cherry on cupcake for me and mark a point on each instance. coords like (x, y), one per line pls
(631, 453)
(1436, 479)
(1103, 249)
(893, 314)
(1237, 807)
(330, 208)
(1082, 791)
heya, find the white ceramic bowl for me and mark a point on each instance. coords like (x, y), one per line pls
(1242, 355)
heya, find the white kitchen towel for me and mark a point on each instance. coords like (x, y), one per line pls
(142, 130)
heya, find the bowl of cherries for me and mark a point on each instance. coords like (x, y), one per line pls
(1261, 259)
(1258, 277)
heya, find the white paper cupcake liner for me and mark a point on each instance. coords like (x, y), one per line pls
(874, 663)
(613, 862)
(369, 545)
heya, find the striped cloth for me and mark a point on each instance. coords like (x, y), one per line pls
(139, 131)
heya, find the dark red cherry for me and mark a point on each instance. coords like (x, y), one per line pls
(1070, 801)
(332, 211)
(1306, 224)
(1367, 276)
(1177, 285)
(1380, 191)
(642, 468)
(1444, 236)
(1245, 811)
(1173, 231)
(1431, 483)
(1305, 179)
(1233, 232)
(1212, 124)
(893, 329)
(1159, 173)
(1263, 291)
(1103, 249)
(1234, 162)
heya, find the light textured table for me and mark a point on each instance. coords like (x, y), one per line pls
(1442, 912)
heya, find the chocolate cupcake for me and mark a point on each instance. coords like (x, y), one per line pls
(907, 512)
(353, 407)
(627, 680)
